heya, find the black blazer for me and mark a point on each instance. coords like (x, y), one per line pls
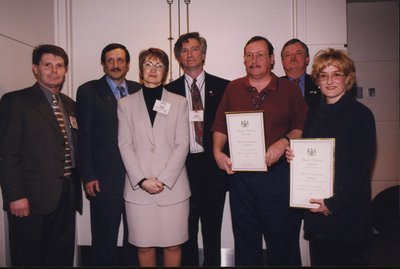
(214, 90)
(98, 156)
(312, 94)
(32, 150)
(352, 125)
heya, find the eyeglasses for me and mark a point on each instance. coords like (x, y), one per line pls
(150, 65)
(335, 75)
(258, 55)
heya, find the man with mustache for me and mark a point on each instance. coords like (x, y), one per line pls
(100, 163)
(295, 59)
(260, 200)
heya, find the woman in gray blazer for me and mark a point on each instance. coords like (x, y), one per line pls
(153, 137)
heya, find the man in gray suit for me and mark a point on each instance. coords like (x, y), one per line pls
(100, 163)
(41, 191)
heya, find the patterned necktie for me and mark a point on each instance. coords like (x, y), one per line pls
(61, 123)
(197, 104)
(121, 91)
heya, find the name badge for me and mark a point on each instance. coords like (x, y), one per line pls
(196, 115)
(73, 122)
(162, 107)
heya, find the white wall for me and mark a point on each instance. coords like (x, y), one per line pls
(373, 31)
(226, 24)
(141, 24)
(24, 24)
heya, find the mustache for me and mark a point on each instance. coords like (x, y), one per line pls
(255, 66)
(116, 69)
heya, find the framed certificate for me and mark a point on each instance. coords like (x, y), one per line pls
(246, 140)
(311, 171)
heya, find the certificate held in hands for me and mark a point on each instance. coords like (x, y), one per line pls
(246, 140)
(311, 171)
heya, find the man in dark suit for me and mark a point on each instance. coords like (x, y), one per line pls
(295, 59)
(41, 191)
(208, 183)
(100, 163)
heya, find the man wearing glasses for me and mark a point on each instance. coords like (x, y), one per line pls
(260, 200)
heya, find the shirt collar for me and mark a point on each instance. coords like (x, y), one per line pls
(114, 85)
(199, 80)
(47, 93)
(301, 79)
(272, 85)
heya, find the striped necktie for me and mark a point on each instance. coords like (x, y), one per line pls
(61, 123)
(121, 91)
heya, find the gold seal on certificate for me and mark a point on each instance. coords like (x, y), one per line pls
(246, 140)
(311, 171)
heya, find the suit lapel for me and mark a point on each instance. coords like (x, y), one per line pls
(209, 98)
(106, 93)
(159, 121)
(42, 105)
(68, 109)
(180, 89)
(132, 88)
(144, 117)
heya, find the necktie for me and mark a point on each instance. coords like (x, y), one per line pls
(297, 82)
(197, 104)
(61, 123)
(121, 91)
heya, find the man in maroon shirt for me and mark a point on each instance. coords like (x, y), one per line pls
(260, 200)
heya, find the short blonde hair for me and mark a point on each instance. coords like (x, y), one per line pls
(337, 58)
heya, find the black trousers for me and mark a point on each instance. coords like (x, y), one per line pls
(259, 208)
(206, 206)
(335, 253)
(106, 212)
(45, 240)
